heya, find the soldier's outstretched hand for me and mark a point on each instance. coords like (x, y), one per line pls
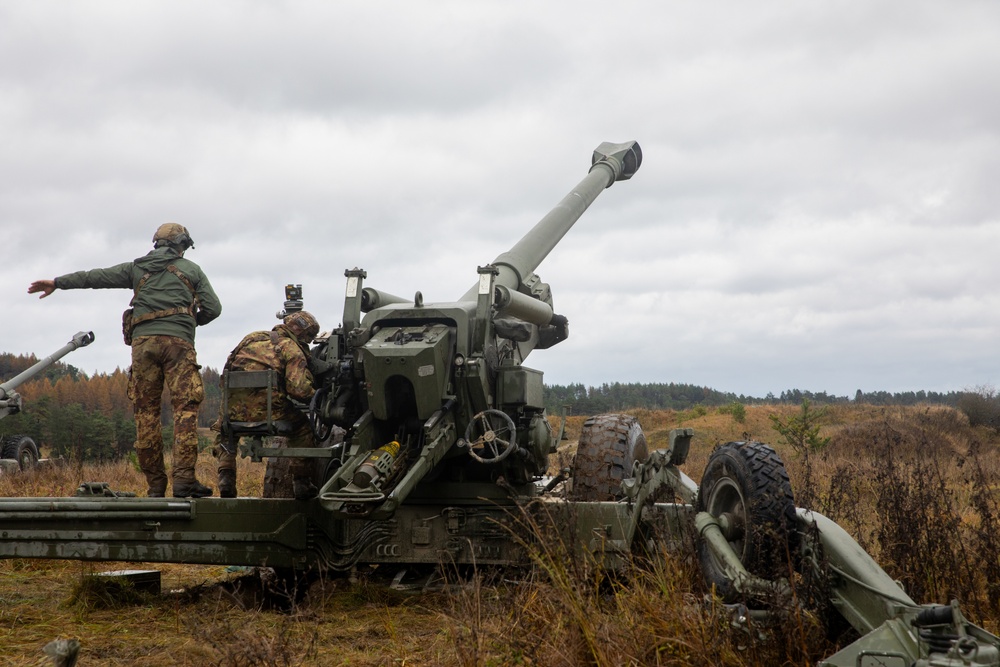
(46, 287)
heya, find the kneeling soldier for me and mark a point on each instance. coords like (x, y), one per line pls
(284, 349)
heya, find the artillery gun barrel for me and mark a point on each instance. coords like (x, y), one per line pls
(81, 339)
(610, 163)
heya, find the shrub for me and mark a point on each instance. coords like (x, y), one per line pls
(737, 410)
(982, 406)
(801, 432)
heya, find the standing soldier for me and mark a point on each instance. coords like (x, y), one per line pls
(284, 349)
(171, 296)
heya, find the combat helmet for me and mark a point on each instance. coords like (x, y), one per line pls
(302, 325)
(174, 234)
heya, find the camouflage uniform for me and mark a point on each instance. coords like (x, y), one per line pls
(168, 308)
(279, 350)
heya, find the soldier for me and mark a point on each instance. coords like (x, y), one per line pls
(284, 349)
(171, 297)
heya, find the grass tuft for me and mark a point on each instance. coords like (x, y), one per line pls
(916, 486)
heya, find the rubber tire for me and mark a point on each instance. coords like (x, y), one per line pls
(23, 449)
(749, 479)
(609, 446)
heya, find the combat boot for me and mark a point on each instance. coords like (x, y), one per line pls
(227, 483)
(186, 485)
(192, 489)
(303, 488)
(151, 465)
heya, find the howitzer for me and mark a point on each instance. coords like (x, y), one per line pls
(19, 452)
(10, 400)
(446, 433)
(444, 459)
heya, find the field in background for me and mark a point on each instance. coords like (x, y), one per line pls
(917, 486)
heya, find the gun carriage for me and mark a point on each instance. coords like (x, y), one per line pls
(446, 446)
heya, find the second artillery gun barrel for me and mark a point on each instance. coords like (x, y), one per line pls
(610, 162)
(81, 339)
(10, 402)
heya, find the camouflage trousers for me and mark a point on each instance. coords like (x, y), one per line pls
(159, 361)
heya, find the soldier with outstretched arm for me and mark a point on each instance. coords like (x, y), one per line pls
(171, 296)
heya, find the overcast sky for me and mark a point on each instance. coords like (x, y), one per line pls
(816, 209)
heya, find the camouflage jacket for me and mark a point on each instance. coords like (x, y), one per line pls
(281, 351)
(163, 290)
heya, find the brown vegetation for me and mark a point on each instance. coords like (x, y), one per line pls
(916, 486)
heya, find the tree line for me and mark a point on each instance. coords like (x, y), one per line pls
(90, 418)
(610, 397)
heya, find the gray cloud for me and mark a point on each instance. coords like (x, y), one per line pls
(815, 208)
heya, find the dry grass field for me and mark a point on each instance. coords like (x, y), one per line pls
(917, 487)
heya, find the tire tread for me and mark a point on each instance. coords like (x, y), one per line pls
(604, 456)
(771, 505)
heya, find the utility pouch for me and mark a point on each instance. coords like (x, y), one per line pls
(127, 326)
(128, 322)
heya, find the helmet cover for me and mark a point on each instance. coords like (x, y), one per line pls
(174, 234)
(303, 325)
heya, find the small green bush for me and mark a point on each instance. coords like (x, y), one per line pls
(801, 432)
(737, 410)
